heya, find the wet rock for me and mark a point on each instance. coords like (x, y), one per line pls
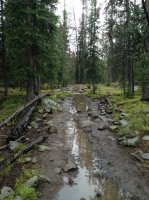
(87, 129)
(145, 156)
(130, 142)
(48, 110)
(44, 178)
(98, 173)
(113, 128)
(146, 138)
(70, 166)
(6, 192)
(32, 182)
(70, 180)
(43, 148)
(82, 199)
(109, 112)
(14, 146)
(57, 170)
(34, 125)
(117, 123)
(18, 198)
(93, 115)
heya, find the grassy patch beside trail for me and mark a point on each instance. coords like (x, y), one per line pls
(15, 99)
(134, 109)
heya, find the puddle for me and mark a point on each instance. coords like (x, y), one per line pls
(86, 185)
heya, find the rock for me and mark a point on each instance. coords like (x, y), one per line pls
(113, 128)
(146, 138)
(41, 111)
(98, 173)
(48, 110)
(53, 129)
(6, 192)
(93, 114)
(28, 159)
(86, 123)
(130, 142)
(70, 180)
(70, 166)
(109, 112)
(34, 160)
(117, 123)
(18, 198)
(82, 198)
(44, 178)
(51, 105)
(124, 122)
(32, 182)
(34, 125)
(137, 154)
(44, 115)
(14, 146)
(102, 127)
(57, 170)
(43, 148)
(145, 156)
(38, 119)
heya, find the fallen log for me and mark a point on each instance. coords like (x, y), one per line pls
(17, 131)
(28, 148)
(21, 109)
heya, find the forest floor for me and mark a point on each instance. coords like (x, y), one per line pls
(84, 161)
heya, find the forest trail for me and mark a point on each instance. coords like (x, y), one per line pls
(104, 170)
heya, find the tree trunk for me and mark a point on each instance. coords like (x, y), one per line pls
(145, 74)
(3, 49)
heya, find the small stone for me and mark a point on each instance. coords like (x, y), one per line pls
(41, 111)
(14, 146)
(102, 127)
(70, 166)
(45, 116)
(28, 159)
(43, 148)
(113, 128)
(6, 192)
(145, 156)
(146, 138)
(32, 182)
(53, 129)
(57, 170)
(70, 180)
(124, 122)
(44, 178)
(34, 125)
(29, 127)
(82, 199)
(34, 160)
(38, 119)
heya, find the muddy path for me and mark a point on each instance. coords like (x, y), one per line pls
(104, 171)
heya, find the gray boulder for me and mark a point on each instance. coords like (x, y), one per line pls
(14, 146)
(130, 142)
(43, 148)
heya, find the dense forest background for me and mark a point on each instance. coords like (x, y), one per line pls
(35, 49)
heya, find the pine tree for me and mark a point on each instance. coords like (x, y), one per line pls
(29, 27)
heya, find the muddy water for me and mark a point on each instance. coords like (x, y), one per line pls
(86, 185)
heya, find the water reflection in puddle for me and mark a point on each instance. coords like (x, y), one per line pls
(85, 184)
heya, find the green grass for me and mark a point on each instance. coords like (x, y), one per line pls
(132, 106)
(15, 99)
